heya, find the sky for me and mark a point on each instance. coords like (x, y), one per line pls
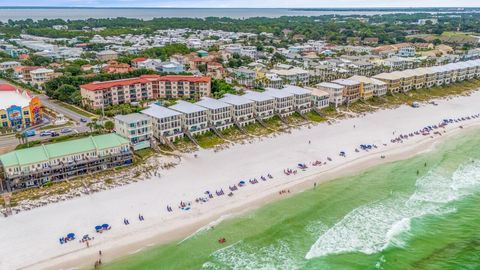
(244, 3)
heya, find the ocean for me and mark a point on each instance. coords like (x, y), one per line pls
(389, 217)
(39, 13)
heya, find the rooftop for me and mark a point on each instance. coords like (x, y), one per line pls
(346, 82)
(187, 107)
(295, 90)
(212, 104)
(257, 96)
(131, 118)
(158, 111)
(95, 86)
(277, 93)
(46, 152)
(235, 100)
(330, 85)
(10, 96)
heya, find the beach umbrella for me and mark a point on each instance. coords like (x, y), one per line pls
(98, 228)
(105, 226)
(71, 235)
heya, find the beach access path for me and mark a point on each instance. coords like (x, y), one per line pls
(29, 240)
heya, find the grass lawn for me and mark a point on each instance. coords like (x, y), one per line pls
(76, 109)
(274, 123)
(47, 127)
(314, 117)
(184, 144)
(208, 140)
(257, 129)
(144, 153)
(233, 133)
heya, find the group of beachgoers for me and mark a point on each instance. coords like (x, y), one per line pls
(185, 206)
(433, 129)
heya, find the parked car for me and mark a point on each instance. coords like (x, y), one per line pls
(83, 120)
(55, 134)
(29, 133)
(66, 130)
(46, 133)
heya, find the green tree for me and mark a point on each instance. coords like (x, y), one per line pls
(109, 125)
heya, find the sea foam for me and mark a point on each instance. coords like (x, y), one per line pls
(373, 227)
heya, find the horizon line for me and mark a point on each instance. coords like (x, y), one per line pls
(193, 7)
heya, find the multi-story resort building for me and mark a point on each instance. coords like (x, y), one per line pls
(243, 109)
(320, 98)
(98, 94)
(177, 86)
(194, 118)
(166, 123)
(135, 127)
(35, 166)
(220, 114)
(334, 90)
(351, 92)
(264, 105)
(18, 109)
(406, 80)
(302, 98)
(284, 101)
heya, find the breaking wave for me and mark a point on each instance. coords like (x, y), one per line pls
(373, 227)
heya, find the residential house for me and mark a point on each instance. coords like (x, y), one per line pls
(194, 118)
(243, 109)
(220, 114)
(166, 123)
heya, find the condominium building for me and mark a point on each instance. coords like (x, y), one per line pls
(302, 98)
(194, 118)
(367, 87)
(351, 92)
(320, 98)
(166, 123)
(35, 166)
(177, 86)
(284, 101)
(9, 65)
(96, 95)
(406, 80)
(243, 109)
(380, 88)
(334, 90)
(392, 80)
(107, 55)
(264, 105)
(220, 114)
(135, 127)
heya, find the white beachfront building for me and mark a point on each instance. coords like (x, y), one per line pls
(166, 123)
(195, 117)
(243, 109)
(320, 98)
(220, 114)
(284, 101)
(264, 105)
(334, 90)
(302, 97)
(135, 127)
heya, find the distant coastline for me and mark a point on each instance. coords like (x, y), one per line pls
(148, 13)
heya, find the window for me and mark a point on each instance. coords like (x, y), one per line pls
(26, 113)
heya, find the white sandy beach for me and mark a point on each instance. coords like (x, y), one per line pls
(29, 240)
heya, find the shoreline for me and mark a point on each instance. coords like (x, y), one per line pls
(360, 164)
(195, 175)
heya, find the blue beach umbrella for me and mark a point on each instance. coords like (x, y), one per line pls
(98, 228)
(105, 226)
(71, 235)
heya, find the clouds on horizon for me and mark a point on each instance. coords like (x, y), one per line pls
(244, 3)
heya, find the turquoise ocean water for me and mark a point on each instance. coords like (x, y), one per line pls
(385, 218)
